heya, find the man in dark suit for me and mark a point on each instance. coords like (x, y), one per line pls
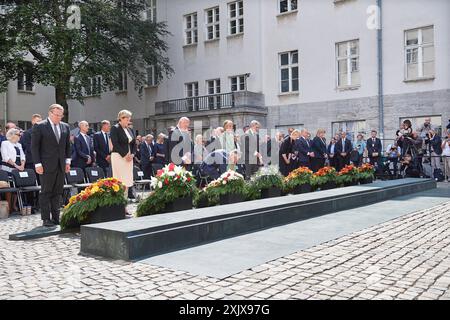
(304, 148)
(101, 146)
(374, 149)
(180, 143)
(343, 148)
(147, 156)
(250, 142)
(217, 163)
(25, 141)
(83, 155)
(50, 148)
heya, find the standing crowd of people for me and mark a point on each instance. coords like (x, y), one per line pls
(51, 149)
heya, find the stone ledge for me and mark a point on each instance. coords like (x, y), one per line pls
(149, 236)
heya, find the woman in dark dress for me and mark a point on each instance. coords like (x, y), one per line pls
(160, 153)
(287, 163)
(319, 147)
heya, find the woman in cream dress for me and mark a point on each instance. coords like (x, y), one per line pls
(123, 145)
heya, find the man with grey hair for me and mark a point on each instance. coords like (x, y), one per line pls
(83, 155)
(50, 148)
(180, 143)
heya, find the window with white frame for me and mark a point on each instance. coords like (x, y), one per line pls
(152, 76)
(94, 87)
(150, 10)
(287, 5)
(25, 78)
(212, 17)
(289, 72)
(347, 57)
(238, 83)
(419, 51)
(236, 17)
(191, 94)
(213, 89)
(353, 128)
(190, 29)
(122, 81)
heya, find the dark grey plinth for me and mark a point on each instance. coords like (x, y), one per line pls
(149, 236)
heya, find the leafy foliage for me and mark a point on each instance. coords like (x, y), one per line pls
(112, 37)
(366, 172)
(298, 177)
(266, 178)
(171, 183)
(103, 193)
(348, 174)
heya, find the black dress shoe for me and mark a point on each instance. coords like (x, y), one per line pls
(55, 222)
(48, 223)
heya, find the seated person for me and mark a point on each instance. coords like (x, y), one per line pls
(410, 167)
(218, 162)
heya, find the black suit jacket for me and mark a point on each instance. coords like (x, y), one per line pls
(46, 150)
(146, 153)
(182, 142)
(82, 152)
(101, 149)
(303, 147)
(120, 142)
(25, 141)
(319, 147)
(374, 147)
(347, 148)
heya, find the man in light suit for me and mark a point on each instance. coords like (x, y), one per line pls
(83, 155)
(50, 148)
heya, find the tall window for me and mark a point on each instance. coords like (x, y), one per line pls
(25, 79)
(94, 87)
(348, 63)
(190, 29)
(191, 93)
(236, 17)
(353, 128)
(122, 82)
(289, 72)
(212, 23)
(287, 5)
(238, 83)
(419, 50)
(151, 10)
(213, 87)
(152, 76)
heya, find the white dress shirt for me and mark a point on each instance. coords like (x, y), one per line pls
(58, 127)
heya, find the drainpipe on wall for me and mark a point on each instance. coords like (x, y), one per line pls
(5, 108)
(380, 70)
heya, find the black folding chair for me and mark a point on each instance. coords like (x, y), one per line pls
(26, 182)
(5, 177)
(139, 181)
(75, 178)
(94, 174)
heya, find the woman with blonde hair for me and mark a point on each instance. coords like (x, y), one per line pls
(123, 149)
(287, 162)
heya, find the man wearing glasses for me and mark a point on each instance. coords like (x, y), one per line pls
(50, 147)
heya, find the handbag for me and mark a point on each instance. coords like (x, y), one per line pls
(4, 185)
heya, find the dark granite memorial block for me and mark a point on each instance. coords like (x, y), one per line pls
(328, 186)
(231, 198)
(107, 214)
(179, 204)
(303, 188)
(366, 181)
(273, 192)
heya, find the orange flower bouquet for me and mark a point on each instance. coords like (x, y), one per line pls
(104, 193)
(298, 181)
(366, 173)
(325, 178)
(348, 176)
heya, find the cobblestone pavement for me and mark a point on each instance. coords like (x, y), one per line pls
(407, 258)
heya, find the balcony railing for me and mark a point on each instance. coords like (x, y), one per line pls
(194, 104)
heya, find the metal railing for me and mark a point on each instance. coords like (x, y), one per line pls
(195, 104)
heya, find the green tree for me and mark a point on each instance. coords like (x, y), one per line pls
(72, 41)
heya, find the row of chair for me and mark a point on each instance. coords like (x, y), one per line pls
(23, 182)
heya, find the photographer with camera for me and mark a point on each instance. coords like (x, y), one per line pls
(446, 154)
(393, 153)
